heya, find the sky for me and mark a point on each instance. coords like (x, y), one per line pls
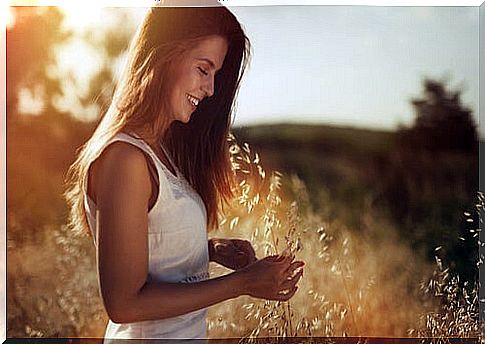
(354, 65)
(347, 65)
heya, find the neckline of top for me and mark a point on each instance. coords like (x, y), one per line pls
(170, 161)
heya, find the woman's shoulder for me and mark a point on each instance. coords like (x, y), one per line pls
(121, 157)
(123, 154)
(124, 151)
(121, 164)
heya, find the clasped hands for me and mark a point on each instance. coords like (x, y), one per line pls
(273, 277)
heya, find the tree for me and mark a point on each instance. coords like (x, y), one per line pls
(112, 44)
(31, 44)
(434, 177)
(442, 122)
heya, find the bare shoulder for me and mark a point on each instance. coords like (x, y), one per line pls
(122, 154)
(121, 166)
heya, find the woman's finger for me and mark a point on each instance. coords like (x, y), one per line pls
(243, 244)
(251, 252)
(290, 283)
(297, 265)
(286, 262)
(247, 248)
(279, 259)
(271, 259)
(223, 247)
(287, 296)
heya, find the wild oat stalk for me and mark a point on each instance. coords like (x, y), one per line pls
(255, 192)
(259, 192)
(339, 294)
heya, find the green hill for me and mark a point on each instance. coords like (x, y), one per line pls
(321, 138)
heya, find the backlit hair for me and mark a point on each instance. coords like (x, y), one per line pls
(199, 148)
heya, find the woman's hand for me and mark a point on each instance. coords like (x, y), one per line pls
(273, 277)
(234, 254)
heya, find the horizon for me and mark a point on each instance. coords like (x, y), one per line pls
(326, 125)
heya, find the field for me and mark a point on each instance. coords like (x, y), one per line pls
(377, 230)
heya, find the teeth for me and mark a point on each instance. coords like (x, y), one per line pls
(193, 100)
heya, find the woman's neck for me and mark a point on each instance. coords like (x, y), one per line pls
(148, 137)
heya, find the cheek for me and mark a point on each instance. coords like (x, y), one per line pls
(183, 81)
(189, 79)
(178, 88)
(177, 92)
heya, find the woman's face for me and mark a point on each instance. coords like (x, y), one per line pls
(193, 77)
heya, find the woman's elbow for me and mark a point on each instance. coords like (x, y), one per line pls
(125, 315)
(120, 312)
(118, 316)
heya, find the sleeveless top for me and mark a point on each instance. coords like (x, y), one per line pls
(177, 247)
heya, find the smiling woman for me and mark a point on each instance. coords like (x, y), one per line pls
(192, 78)
(150, 182)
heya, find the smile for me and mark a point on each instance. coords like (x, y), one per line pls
(194, 101)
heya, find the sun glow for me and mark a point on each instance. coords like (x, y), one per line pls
(79, 16)
(7, 17)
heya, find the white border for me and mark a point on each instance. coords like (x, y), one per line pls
(148, 3)
(3, 176)
(141, 3)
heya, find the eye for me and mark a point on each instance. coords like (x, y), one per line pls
(203, 71)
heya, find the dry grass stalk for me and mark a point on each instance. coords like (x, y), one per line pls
(352, 285)
(347, 289)
(458, 310)
(261, 195)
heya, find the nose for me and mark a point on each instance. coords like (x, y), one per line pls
(208, 86)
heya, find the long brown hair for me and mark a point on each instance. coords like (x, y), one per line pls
(199, 148)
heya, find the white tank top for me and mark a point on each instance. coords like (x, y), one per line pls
(177, 248)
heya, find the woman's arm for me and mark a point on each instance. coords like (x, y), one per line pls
(263, 279)
(159, 300)
(122, 183)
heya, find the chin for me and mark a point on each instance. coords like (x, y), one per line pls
(184, 119)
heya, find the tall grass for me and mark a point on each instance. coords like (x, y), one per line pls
(357, 282)
(354, 285)
(458, 311)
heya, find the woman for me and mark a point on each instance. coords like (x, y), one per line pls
(150, 181)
